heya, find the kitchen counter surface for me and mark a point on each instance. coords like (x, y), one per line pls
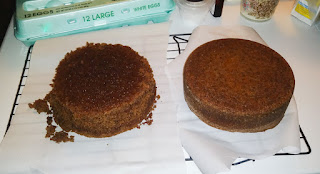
(297, 42)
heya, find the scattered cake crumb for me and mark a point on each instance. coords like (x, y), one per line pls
(58, 137)
(62, 136)
(50, 130)
(158, 97)
(148, 120)
(49, 121)
(40, 106)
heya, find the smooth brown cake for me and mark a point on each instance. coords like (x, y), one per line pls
(238, 85)
(100, 90)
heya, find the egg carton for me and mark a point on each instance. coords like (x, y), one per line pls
(42, 19)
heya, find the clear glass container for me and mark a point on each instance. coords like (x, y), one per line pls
(193, 12)
(258, 10)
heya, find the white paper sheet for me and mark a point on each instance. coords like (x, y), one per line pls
(151, 149)
(214, 150)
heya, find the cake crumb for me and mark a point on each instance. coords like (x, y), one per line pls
(158, 97)
(40, 106)
(148, 120)
(58, 137)
(50, 130)
(49, 120)
(154, 107)
(62, 136)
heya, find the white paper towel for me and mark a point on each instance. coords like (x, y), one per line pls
(151, 149)
(214, 150)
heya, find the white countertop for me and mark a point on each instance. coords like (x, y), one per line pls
(294, 40)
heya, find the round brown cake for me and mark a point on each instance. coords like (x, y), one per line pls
(100, 90)
(238, 85)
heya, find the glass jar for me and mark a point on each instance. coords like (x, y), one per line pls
(193, 12)
(258, 10)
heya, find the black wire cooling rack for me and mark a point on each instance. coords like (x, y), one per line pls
(176, 45)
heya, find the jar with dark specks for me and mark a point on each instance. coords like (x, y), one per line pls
(258, 10)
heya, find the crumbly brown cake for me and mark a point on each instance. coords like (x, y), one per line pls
(238, 85)
(100, 90)
(40, 106)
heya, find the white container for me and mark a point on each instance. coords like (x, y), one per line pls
(193, 12)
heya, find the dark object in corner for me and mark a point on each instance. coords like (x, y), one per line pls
(218, 8)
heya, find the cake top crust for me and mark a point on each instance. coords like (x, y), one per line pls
(99, 77)
(238, 76)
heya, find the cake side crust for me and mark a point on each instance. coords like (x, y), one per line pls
(107, 124)
(230, 122)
